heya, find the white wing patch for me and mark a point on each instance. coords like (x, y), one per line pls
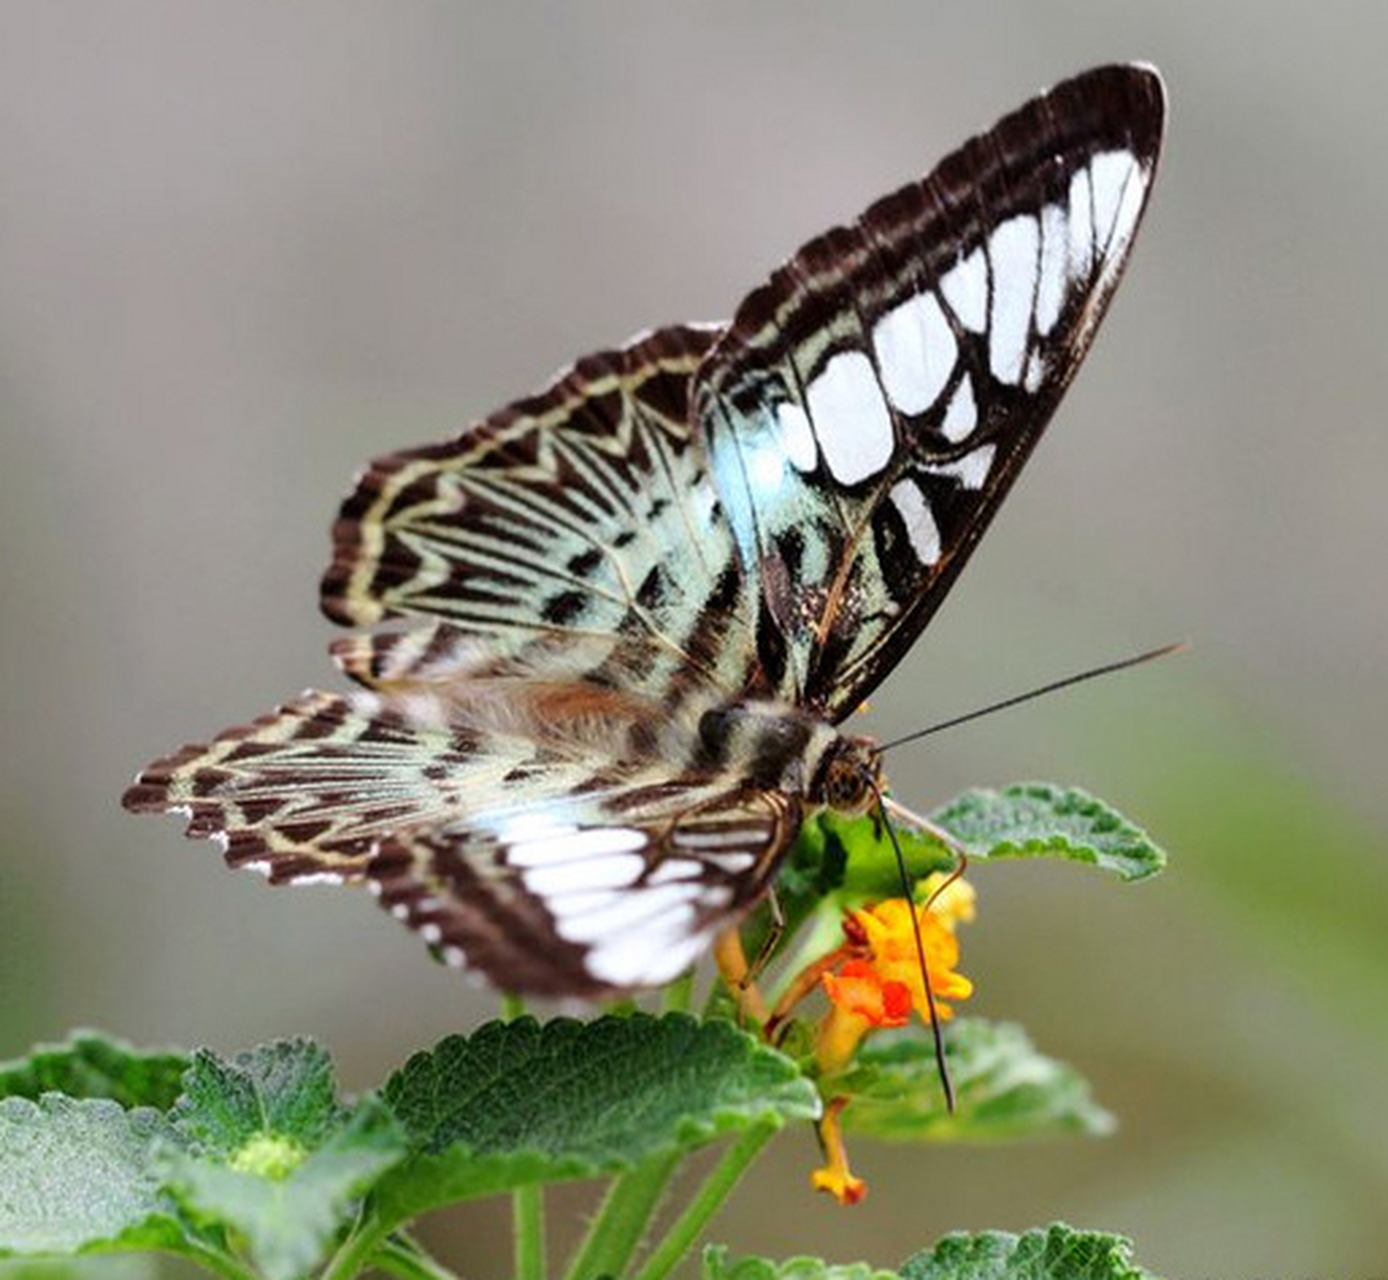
(971, 471)
(921, 529)
(643, 900)
(851, 418)
(717, 838)
(797, 436)
(519, 829)
(577, 875)
(640, 935)
(1050, 288)
(316, 877)
(1012, 249)
(657, 954)
(1118, 193)
(733, 864)
(1081, 224)
(561, 844)
(681, 869)
(589, 918)
(916, 351)
(961, 417)
(965, 288)
(1111, 173)
(642, 924)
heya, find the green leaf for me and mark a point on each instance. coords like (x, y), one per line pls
(273, 1153)
(291, 1215)
(108, 1266)
(519, 1103)
(1056, 1252)
(850, 860)
(78, 1174)
(810, 875)
(716, 1266)
(836, 861)
(1005, 1088)
(285, 1089)
(871, 870)
(1039, 819)
(92, 1065)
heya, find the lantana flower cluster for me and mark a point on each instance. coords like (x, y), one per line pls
(875, 979)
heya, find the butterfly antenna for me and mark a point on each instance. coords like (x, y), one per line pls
(1078, 678)
(908, 893)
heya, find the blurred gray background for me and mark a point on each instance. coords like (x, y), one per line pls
(244, 247)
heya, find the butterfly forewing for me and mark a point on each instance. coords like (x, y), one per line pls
(872, 403)
(607, 625)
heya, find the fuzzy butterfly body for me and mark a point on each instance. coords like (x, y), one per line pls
(610, 629)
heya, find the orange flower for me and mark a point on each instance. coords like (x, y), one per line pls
(891, 940)
(874, 980)
(859, 1000)
(836, 1177)
(882, 981)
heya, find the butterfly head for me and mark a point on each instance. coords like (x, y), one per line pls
(849, 777)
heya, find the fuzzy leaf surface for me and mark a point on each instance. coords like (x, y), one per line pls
(1056, 1252)
(77, 1175)
(285, 1088)
(273, 1153)
(520, 1102)
(837, 861)
(869, 869)
(852, 857)
(89, 1064)
(718, 1266)
(291, 1219)
(1042, 820)
(1005, 1088)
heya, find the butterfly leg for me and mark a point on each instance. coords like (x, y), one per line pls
(776, 930)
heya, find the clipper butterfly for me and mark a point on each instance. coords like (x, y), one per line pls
(605, 635)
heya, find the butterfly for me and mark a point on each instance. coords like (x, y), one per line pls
(605, 635)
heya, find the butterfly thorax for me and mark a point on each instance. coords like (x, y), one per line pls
(772, 746)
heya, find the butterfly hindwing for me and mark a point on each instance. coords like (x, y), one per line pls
(588, 896)
(306, 792)
(558, 838)
(870, 405)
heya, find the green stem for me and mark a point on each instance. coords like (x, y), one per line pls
(215, 1260)
(404, 1258)
(620, 1224)
(365, 1238)
(679, 994)
(528, 1225)
(689, 1226)
(527, 1203)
